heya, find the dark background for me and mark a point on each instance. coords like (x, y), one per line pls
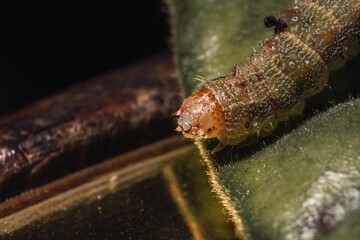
(47, 47)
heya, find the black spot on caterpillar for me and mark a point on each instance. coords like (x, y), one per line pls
(311, 37)
(271, 21)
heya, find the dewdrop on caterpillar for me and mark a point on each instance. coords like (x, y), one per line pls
(310, 38)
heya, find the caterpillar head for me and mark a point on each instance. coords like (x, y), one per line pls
(201, 116)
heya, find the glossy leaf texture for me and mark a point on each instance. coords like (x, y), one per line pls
(302, 182)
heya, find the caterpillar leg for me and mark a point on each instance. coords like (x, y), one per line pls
(218, 148)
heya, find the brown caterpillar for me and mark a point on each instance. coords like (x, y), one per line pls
(311, 37)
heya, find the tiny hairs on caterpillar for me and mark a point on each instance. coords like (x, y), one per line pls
(310, 38)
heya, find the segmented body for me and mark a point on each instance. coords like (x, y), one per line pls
(312, 37)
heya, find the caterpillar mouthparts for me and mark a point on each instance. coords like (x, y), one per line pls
(200, 116)
(310, 38)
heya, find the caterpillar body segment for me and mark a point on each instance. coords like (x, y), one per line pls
(311, 37)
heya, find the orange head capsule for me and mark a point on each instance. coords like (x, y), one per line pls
(201, 116)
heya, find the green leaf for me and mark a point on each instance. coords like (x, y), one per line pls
(304, 184)
(307, 183)
(211, 36)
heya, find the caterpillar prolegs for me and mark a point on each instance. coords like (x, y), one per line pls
(311, 37)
